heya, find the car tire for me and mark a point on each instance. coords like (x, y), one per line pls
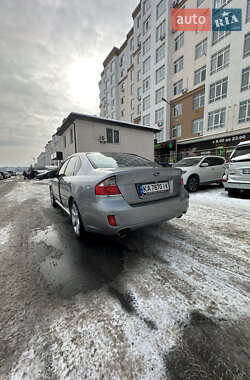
(232, 192)
(76, 220)
(193, 183)
(52, 198)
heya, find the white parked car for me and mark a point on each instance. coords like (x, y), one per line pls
(237, 176)
(201, 170)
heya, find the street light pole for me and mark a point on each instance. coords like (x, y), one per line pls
(165, 100)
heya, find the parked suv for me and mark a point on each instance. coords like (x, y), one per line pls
(237, 176)
(201, 170)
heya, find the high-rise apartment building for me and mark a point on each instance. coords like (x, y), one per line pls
(141, 70)
(203, 75)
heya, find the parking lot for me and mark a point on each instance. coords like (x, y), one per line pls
(168, 302)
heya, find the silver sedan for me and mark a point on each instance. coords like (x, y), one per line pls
(114, 193)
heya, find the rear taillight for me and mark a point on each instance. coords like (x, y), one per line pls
(181, 181)
(107, 187)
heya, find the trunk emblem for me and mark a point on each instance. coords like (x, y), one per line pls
(156, 172)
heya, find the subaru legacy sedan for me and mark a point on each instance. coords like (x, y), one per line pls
(114, 193)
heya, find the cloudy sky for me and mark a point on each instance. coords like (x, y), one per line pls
(51, 54)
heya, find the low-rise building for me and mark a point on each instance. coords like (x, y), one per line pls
(86, 133)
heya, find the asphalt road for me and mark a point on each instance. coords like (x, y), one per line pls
(167, 302)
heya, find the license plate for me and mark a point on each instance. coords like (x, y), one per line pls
(246, 171)
(151, 188)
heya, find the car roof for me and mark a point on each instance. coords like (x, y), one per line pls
(244, 143)
(203, 156)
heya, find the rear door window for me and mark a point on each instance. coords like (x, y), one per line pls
(71, 167)
(63, 168)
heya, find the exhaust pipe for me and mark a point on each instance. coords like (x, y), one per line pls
(123, 233)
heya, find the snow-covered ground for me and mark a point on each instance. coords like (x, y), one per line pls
(124, 327)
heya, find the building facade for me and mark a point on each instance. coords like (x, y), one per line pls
(203, 76)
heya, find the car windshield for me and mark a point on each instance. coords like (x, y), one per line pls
(187, 162)
(118, 160)
(240, 152)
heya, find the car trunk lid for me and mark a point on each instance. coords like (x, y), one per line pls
(147, 184)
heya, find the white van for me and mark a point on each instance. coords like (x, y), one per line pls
(237, 176)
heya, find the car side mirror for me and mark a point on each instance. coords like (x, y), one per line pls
(204, 164)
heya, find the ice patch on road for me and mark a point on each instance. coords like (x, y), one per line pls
(4, 234)
(49, 236)
(26, 190)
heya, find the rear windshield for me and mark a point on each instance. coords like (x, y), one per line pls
(187, 162)
(241, 151)
(118, 160)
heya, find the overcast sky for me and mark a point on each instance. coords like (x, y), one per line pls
(51, 55)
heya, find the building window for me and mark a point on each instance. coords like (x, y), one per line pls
(138, 75)
(112, 92)
(219, 35)
(122, 73)
(179, 41)
(176, 131)
(247, 45)
(131, 117)
(146, 45)
(159, 74)
(199, 2)
(216, 119)
(248, 11)
(139, 57)
(199, 100)
(147, 25)
(200, 75)
(160, 53)
(132, 44)
(160, 8)
(245, 83)
(218, 90)
(146, 103)
(109, 135)
(131, 75)
(220, 60)
(146, 6)
(159, 94)
(146, 120)
(138, 93)
(178, 64)
(220, 3)
(160, 31)
(122, 113)
(116, 136)
(177, 110)
(71, 136)
(201, 49)
(121, 60)
(122, 100)
(138, 22)
(159, 116)
(197, 126)
(146, 65)
(139, 40)
(244, 114)
(146, 84)
(65, 141)
(132, 104)
(139, 109)
(132, 89)
(178, 86)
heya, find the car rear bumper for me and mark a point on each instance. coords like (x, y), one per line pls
(95, 219)
(236, 185)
